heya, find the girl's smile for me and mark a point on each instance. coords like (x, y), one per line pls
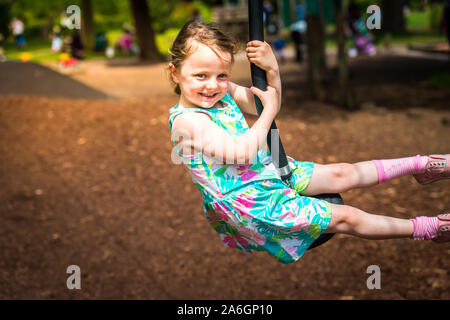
(203, 76)
(208, 97)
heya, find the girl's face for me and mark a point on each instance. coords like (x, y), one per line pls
(203, 77)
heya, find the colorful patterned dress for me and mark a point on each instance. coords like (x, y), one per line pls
(249, 205)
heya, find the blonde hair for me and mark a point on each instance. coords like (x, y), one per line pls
(199, 31)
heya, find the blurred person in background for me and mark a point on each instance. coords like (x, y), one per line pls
(76, 46)
(297, 36)
(359, 34)
(298, 30)
(18, 28)
(57, 42)
(279, 45)
(124, 42)
(101, 42)
(267, 13)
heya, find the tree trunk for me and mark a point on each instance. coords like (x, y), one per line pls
(87, 24)
(322, 51)
(144, 31)
(5, 17)
(393, 19)
(315, 42)
(343, 90)
(46, 30)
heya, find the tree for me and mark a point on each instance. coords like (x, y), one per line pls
(5, 17)
(343, 90)
(144, 31)
(393, 18)
(48, 24)
(87, 24)
(315, 39)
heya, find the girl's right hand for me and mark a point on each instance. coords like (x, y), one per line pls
(269, 99)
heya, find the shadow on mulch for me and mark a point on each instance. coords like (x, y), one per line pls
(390, 82)
(34, 79)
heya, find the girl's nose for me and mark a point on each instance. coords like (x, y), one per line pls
(212, 83)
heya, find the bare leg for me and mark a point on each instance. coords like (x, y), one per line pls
(340, 177)
(353, 221)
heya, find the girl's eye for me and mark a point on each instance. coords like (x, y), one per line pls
(223, 76)
(200, 76)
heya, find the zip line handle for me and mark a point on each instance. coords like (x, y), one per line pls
(259, 79)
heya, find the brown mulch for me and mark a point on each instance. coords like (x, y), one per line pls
(91, 183)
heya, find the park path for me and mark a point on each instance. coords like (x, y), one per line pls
(128, 79)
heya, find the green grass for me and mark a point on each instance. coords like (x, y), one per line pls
(40, 49)
(417, 20)
(414, 38)
(425, 20)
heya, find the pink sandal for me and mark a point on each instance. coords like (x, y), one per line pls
(444, 228)
(438, 167)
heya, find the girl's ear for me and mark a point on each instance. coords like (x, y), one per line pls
(173, 73)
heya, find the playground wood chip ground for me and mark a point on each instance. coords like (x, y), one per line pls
(90, 182)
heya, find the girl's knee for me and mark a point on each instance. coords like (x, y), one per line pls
(332, 178)
(343, 218)
(345, 175)
(344, 170)
(339, 213)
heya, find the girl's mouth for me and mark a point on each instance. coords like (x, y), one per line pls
(208, 96)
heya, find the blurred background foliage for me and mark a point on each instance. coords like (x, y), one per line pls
(108, 15)
(111, 16)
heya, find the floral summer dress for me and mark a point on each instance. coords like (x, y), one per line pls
(249, 205)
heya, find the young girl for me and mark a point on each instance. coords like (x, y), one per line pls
(244, 198)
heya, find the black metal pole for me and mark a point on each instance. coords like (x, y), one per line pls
(256, 32)
(256, 28)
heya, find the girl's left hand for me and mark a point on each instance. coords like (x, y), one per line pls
(260, 53)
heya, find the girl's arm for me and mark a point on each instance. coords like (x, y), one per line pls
(261, 54)
(244, 98)
(198, 132)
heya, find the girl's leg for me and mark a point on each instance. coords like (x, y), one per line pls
(353, 221)
(340, 177)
